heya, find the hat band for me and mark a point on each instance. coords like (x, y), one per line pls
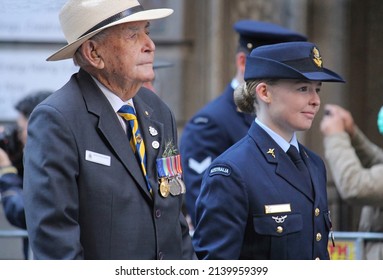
(114, 18)
(304, 65)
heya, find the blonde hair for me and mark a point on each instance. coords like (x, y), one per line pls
(245, 95)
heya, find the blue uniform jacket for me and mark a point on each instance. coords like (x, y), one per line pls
(252, 206)
(208, 134)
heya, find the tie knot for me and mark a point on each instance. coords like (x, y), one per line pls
(293, 153)
(127, 112)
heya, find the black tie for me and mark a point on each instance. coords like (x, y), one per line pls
(293, 153)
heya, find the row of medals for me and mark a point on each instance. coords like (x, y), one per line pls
(173, 185)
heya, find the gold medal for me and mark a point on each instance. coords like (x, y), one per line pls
(164, 187)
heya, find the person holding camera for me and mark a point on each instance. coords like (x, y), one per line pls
(356, 164)
(12, 141)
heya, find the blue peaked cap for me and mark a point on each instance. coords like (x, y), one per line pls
(291, 60)
(254, 33)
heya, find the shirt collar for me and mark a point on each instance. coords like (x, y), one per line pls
(279, 139)
(113, 99)
(234, 83)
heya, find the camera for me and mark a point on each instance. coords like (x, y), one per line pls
(9, 140)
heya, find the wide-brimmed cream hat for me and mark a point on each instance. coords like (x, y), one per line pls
(82, 19)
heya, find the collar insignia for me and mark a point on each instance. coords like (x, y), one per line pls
(271, 152)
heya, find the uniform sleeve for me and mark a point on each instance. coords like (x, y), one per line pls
(221, 215)
(354, 182)
(50, 188)
(202, 141)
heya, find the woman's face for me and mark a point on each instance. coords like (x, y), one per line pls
(291, 105)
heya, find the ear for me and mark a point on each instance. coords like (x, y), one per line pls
(263, 93)
(240, 61)
(90, 53)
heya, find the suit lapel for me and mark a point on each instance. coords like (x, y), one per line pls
(110, 128)
(152, 132)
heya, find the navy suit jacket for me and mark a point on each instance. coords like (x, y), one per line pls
(252, 204)
(211, 131)
(85, 194)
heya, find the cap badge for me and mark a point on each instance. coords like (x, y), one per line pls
(317, 58)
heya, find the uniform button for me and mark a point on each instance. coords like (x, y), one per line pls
(318, 236)
(317, 258)
(279, 229)
(317, 212)
(158, 213)
(160, 255)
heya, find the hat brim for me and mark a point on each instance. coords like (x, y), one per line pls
(69, 50)
(263, 68)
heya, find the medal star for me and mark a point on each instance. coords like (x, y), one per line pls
(271, 152)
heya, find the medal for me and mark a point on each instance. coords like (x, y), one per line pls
(170, 173)
(175, 188)
(164, 187)
(181, 184)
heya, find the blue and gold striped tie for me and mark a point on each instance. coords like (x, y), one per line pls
(136, 141)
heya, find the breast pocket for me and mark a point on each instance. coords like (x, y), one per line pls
(277, 225)
(278, 231)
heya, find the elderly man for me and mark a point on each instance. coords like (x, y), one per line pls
(95, 186)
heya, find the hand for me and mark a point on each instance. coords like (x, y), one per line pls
(4, 159)
(337, 119)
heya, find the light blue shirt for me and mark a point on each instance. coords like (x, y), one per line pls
(279, 139)
(234, 83)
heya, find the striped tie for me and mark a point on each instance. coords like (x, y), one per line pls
(136, 141)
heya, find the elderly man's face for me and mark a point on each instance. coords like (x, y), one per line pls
(128, 54)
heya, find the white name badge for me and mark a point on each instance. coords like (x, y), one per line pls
(97, 158)
(277, 208)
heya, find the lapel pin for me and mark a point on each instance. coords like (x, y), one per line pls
(153, 131)
(271, 152)
(155, 144)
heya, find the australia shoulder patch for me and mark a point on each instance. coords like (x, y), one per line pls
(220, 170)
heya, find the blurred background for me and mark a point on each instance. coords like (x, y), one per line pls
(199, 44)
